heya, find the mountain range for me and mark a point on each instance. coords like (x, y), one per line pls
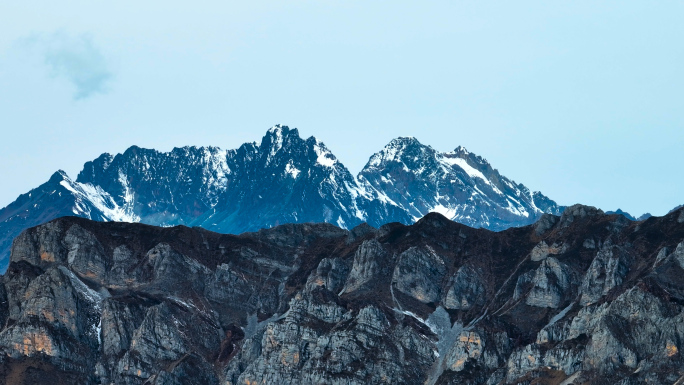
(283, 179)
(581, 298)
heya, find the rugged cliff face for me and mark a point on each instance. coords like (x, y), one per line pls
(581, 298)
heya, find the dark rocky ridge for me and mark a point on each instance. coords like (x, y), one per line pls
(581, 298)
(284, 179)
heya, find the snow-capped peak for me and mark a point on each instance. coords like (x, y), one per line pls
(395, 150)
(461, 150)
(275, 138)
(275, 129)
(402, 143)
(278, 137)
(61, 175)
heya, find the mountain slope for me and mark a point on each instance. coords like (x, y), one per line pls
(58, 197)
(459, 185)
(283, 179)
(162, 188)
(582, 298)
(291, 180)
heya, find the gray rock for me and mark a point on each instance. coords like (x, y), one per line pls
(542, 250)
(93, 303)
(550, 284)
(466, 290)
(545, 223)
(330, 273)
(576, 212)
(606, 272)
(85, 254)
(678, 254)
(468, 346)
(419, 273)
(368, 260)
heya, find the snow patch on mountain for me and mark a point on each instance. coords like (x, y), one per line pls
(291, 170)
(89, 197)
(215, 160)
(463, 164)
(277, 133)
(448, 212)
(324, 156)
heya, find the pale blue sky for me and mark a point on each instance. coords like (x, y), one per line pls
(581, 100)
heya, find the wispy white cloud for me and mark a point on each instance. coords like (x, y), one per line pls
(75, 58)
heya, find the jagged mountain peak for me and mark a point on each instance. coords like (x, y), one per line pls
(629, 216)
(278, 136)
(458, 184)
(400, 150)
(285, 179)
(414, 157)
(619, 211)
(279, 129)
(58, 176)
(474, 159)
(282, 146)
(463, 153)
(404, 141)
(461, 150)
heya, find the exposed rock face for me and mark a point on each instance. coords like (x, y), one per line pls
(547, 286)
(607, 271)
(589, 299)
(419, 273)
(368, 261)
(466, 291)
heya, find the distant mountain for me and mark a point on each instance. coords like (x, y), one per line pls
(631, 217)
(458, 184)
(284, 179)
(675, 209)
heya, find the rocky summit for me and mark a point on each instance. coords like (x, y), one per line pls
(581, 298)
(284, 179)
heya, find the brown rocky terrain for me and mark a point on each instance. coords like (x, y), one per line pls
(585, 298)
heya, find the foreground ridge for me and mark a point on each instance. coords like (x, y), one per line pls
(284, 179)
(581, 298)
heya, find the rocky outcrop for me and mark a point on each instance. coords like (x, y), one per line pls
(466, 291)
(419, 273)
(368, 260)
(547, 286)
(587, 298)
